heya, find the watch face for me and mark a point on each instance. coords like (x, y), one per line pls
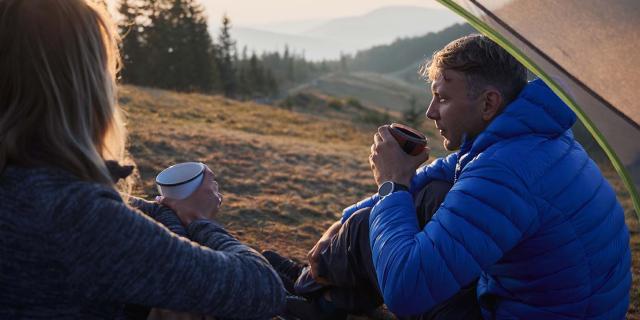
(385, 188)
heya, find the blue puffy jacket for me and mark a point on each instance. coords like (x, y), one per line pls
(529, 214)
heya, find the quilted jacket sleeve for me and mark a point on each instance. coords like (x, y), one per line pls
(484, 215)
(440, 169)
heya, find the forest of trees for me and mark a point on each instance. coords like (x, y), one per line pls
(167, 44)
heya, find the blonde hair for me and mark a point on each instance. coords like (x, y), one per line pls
(482, 61)
(59, 60)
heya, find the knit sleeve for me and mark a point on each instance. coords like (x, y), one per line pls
(114, 253)
(159, 213)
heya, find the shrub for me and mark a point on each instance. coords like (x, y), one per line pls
(375, 117)
(354, 103)
(335, 104)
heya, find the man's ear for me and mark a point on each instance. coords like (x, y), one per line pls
(492, 104)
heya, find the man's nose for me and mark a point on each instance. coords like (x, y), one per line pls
(432, 111)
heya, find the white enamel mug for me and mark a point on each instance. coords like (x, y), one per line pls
(180, 180)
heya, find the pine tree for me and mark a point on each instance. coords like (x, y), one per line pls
(256, 74)
(226, 52)
(243, 85)
(288, 62)
(132, 42)
(324, 67)
(177, 47)
(245, 56)
(271, 83)
(159, 44)
(201, 68)
(343, 63)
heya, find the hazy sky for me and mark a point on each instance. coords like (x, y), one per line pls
(257, 12)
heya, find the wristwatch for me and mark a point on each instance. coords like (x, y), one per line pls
(389, 187)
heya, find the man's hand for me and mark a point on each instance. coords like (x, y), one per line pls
(388, 161)
(314, 254)
(203, 203)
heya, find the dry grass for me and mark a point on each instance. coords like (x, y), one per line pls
(286, 175)
(634, 230)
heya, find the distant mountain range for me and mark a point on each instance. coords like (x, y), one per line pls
(403, 57)
(386, 76)
(312, 48)
(327, 39)
(384, 25)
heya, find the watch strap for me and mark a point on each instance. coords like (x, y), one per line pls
(389, 187)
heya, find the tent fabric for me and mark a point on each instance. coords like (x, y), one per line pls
(588, 51)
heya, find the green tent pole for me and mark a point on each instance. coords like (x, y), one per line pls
(529, 64)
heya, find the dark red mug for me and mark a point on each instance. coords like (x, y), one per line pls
(411, 140)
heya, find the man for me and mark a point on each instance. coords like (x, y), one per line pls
(529, 217)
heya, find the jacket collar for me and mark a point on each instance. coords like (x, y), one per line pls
(536, 111)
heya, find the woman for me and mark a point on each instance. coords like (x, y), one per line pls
(69, 246)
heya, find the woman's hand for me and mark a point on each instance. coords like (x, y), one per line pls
(203, 203)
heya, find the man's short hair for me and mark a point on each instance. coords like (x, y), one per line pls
(483, 62)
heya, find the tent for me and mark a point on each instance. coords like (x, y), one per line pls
(588, 52)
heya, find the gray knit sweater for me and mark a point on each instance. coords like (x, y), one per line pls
(73, 249)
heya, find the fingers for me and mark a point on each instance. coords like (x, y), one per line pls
(384, 133)
(377, 139)
(167, 202)
(310, 252)
(312, 270)
(207, 169)
(209, 184)
(372, 155)
(209, 177)
(314, 258)
(423, 156)
(311, 257)
(220, 198)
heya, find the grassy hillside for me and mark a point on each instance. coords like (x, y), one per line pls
(377, 90)
(386, 76)
(286, 174)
